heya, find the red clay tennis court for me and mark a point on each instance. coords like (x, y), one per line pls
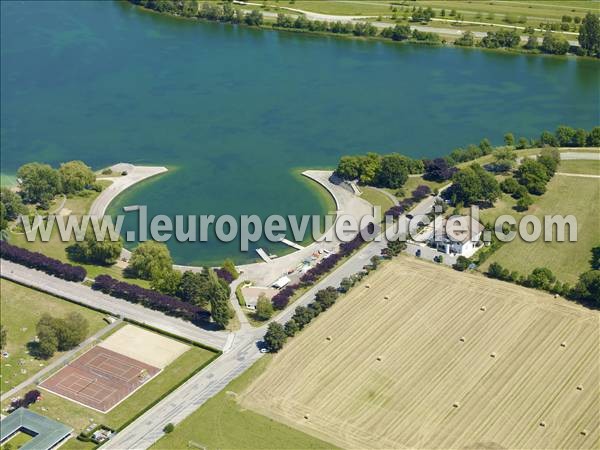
(100, 378)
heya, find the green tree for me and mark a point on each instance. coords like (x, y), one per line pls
(509, 185)
(264, 308)
(150, 257)
(346, 284)
(39, 182)
(291, 328)
(565, 135)
(473, 184)
(486, 147)
(229, 266)
(400, 32)
(369, 168)
(549, 158)
(349, 167)
(533, 175)
(393, 172)
(554, 44)
(302, 316)
(467, 39)
(524, 202)
(326, 297)
(71, 330)
(12, 203)
(593, 139)
(505, 159)
(461, 264)
(91, 250)
(253, 18)
(167, 281)
(541, 278)
(580, 137)
(219, 300)
(588, 287)
(532, 42)
(275, 337)
(75, 176)
(589, 34)
(394, 248)
(193, 288)
(523, 143)
(47, 342)
(509, 139)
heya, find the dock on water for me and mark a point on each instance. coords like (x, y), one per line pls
(291, 244)
(263, 255)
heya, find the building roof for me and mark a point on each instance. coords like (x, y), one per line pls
(463, 228)
(281, 282)
(47, 432)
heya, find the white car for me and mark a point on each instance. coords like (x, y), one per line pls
(264, 350)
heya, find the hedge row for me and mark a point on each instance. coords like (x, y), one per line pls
(41, 262)
(405, 205)
(151, 299)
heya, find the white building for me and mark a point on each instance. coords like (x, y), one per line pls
(460, 235)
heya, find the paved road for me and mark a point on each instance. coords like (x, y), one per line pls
(135, 174)
(60, 361)
(83, 294)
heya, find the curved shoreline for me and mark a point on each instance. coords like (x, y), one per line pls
(135, 174)
(264, 273)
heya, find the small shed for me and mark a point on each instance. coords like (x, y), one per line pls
(281, 282)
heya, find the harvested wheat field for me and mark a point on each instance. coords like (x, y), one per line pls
(448, 360)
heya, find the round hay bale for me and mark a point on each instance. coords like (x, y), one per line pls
(462, 339)
(328, 338)
(386, 297)
(493, 355)
(306, 416)
(379, 358)
(580, 387)
(367, 286)
(456, 405)
(584, 432)
(542, 424)
(483, 308)
(563, 344)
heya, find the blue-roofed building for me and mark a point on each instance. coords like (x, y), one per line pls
(46, 433)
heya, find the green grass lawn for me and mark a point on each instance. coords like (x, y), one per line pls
(589, 167)
(222, 423)
(79, 417)
(17, 441)
(21, 309)
(55, 248)
(565, 195)
(376, 198)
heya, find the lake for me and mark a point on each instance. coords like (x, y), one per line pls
(234, 111)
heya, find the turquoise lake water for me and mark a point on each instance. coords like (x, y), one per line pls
(233, 110)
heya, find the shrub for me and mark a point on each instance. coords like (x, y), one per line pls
(169, 428)
(28, 399)
(151, 299)
(41, 262)
(461, 264)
